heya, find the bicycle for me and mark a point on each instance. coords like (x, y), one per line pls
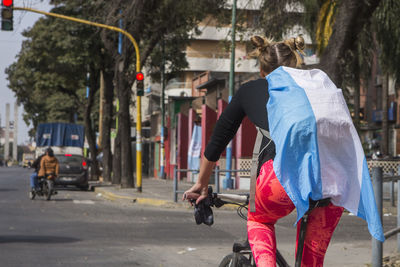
(46, 187)
(241, 255)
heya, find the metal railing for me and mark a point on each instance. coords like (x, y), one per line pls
(216, 172)
(378, 178)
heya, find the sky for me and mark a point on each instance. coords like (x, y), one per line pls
(10, 45)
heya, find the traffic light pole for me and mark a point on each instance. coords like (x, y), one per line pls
(138, 98)
(7, 15)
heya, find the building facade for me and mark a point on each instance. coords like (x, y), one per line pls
(198, 95)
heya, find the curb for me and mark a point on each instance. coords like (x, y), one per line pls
(145, 201)
(150, 201)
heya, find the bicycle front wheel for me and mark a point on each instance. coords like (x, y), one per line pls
(32, 195)
(227, 261)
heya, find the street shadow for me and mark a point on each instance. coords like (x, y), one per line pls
(61, 199)
(73, 189)
(7, 189)
(36, 239)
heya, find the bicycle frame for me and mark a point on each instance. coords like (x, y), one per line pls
(240, 251)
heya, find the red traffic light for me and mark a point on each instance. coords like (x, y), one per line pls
(8, 3)
(139, 76)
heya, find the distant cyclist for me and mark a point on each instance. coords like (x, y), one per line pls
(49, 165)
(277, 197)
(34, 175)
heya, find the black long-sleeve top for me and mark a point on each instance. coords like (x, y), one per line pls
(251, 101)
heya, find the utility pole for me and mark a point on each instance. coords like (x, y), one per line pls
(162, 103)
(101, 106)
(7, 137)
(15, 147)
(385, 130)
(228, 182)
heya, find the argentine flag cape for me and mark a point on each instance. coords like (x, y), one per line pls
(318, 151)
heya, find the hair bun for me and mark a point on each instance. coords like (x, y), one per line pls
(257, 41)
(299, 43)
(296, 43)
(260, 42)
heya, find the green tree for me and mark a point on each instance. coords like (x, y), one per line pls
(149, 22)
(335, 26)
(92, 10)
(50, 74)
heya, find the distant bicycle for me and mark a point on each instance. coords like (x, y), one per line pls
(46, 188)
(241, 255)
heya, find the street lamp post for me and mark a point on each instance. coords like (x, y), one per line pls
(228, 182)
(162, 103)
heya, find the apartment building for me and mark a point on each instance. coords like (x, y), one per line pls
(3, 136)
(200, 93)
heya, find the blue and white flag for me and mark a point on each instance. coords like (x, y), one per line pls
(318, 151)
(194, 150)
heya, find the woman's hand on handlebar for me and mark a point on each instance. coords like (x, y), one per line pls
(196, 192)
(199, 191)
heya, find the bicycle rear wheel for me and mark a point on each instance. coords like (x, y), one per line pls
(242, 261)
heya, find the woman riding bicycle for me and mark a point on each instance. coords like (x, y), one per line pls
(272, 201)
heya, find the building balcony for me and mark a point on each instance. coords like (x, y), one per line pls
(221, 64)
(220, 61)
(178, 89)
(223, 33)
(245, 4)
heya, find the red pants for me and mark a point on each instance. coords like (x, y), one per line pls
(272, 203)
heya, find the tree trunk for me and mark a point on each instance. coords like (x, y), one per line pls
(106, 124)
(124, 96)
(90, 132)
(356, 94)
(116, 165)
(371, 85)
(350, 17)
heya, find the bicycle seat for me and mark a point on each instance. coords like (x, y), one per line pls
(318, 203)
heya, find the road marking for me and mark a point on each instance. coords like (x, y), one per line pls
(83, 201)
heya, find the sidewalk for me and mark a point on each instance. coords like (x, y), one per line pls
(155, 192)
(160, 192)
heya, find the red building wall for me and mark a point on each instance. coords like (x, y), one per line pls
(182, 143)
(169, 168)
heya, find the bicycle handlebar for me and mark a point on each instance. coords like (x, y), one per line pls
(236, 198)
(203, 212)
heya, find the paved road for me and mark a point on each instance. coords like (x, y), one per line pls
(81, 229)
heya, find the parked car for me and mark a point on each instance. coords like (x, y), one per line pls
(27, 159)
(73, 171)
